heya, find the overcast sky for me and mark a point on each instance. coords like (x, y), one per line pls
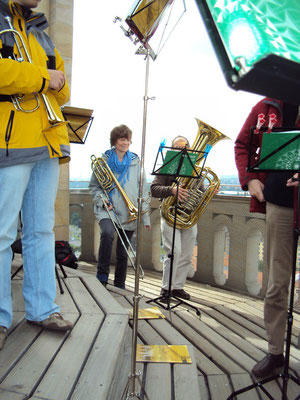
(185, 79)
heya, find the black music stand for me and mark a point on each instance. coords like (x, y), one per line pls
(285, 375)
(180, 163)
(79, 122)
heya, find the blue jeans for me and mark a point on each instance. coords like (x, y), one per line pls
(32, 189)
(105, 250)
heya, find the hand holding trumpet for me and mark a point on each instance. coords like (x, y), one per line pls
(57, 79)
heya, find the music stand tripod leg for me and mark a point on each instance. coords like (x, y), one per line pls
(58, 280)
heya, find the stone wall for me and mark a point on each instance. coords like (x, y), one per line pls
(60, 17)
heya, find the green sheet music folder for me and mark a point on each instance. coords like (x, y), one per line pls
(171, 163)
(285, 159)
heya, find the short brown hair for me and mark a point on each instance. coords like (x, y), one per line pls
(121, 131)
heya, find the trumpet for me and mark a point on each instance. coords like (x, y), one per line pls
(17, 99)
(108, 182)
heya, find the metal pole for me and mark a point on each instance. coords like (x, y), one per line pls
(132, 393)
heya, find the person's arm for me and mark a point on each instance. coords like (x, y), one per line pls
(96, 191)
(159, 188)
(62, 90)
(242, 148)
(24, 77)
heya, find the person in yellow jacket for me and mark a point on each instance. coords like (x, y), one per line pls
(31, 149)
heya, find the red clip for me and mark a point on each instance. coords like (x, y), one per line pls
(272, 122)
(260, 121)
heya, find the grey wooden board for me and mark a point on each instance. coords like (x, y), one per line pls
(30, 368)
(84, 301)
(98, 372)
(221, 345)
(236, 327)
(64, 369)
(99, 293)
(185, 375)
(5, 395)
(204, 362)
(241, 381)
(219, 387)
(232, 337)
(203, 388)
(17, 295)
(16, 345)
(186, 383)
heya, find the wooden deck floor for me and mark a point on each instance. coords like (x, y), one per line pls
(93, 361)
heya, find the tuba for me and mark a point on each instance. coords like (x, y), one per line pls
(201, 190)
(17, 99)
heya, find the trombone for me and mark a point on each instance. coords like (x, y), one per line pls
(105, 177)
(24, 55)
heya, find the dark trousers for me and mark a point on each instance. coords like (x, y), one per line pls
(105, 250)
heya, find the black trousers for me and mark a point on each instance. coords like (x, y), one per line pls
(105, 250)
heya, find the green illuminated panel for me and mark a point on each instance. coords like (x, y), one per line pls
(253, 29)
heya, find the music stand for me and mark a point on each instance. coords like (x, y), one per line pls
(79, 122)
(178, 163)
(272, 165)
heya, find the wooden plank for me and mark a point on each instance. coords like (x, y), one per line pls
(186, 384)
(16, 345)
(17, 318)
(65, 300)
(185, 375)
(210, 359)
(63, 372)
(104, 299)
(237, 327)
(219, 342)
(203, 389)
(243, 381)
(31, 367)
(273, 389)
(158, 373)
(17, 290)
(84, 301)
(98, 373)
(232, 337)
(6, 395)
(234, 314)
(219, 387)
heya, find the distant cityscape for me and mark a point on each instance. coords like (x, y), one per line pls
(230, 185)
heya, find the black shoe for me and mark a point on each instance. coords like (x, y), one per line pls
(181, 293)
(268, 365)
(164, 295)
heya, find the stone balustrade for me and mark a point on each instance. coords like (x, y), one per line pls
(229, 242)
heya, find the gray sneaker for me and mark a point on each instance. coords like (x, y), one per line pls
(3, 335)
(55, 322)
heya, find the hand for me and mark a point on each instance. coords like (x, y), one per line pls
(293, 181)
(109, 205)
(182, 193)
(57, 79)
(148, 227)
(256, 188)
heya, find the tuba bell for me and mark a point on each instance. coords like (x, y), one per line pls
(201, 190)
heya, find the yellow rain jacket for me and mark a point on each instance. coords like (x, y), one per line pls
(25, 136)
